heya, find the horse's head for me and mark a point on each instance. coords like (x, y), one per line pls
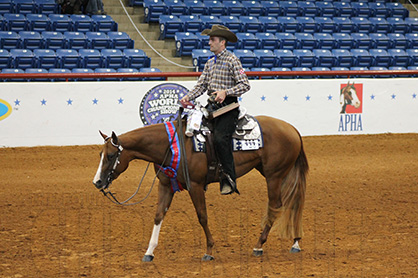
(348, 96)
(111, 164)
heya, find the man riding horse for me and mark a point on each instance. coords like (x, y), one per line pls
(224, 80)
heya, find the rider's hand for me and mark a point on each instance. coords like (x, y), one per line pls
(185, 100)
(220, 96)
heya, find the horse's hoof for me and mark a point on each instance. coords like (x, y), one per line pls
(257, 252)
(147, 258)
(294, 250)
(207, 258)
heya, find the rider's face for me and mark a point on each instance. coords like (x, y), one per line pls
(216, 44)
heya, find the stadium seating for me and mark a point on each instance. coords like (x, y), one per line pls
(113, 58)
(325, 8)
(343, 58)
(324, 41)
(305, 41)
(9, 40)
(60, 22)
(5, 59)
(25, 6)
(324, 58)
(265, 58)
(153, 9)
(247, 41)
(90, 58)
(68, 58)
(185, 43)
(287, 40)
(251, 24)
(380, 57)
(75, 40)
(306, 24)
(22, 58)
(53, 40)
(106, 70)
(234, 7)
(214, 7)
(399, 58)
(209, 20)
(38, 22)
(199, 58)
(169, 25)
(254, 8)
(175, 7)
(45, 58)
(308, 8)
(196, 7)
(82, 23)
(247, 58)
(136, 58)
(48, 7)
(397, 40)
(285, 58)
(98, 40)
(104, 23)
(267, 41)
(30, 40)
(362, 58)
(289, 8)
(16, 22)
(305, 58)
(151, 69)
(271, 8)
(343, 40)
(120, 40)
(191, 23)
(270, 24)
(380, 40)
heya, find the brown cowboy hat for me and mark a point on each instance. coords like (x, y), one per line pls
(220, 31)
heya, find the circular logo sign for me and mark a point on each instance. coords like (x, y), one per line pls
(160, 104)
(5, 109)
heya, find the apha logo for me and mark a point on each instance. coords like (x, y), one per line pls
(5, 109)
(351, 104)
(160, 104)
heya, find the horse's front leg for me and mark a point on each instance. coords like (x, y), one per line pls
(197, 195)
(165, 196)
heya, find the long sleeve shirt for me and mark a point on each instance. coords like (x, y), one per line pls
(222, 72)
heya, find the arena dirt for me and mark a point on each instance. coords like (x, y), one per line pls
(360, 218)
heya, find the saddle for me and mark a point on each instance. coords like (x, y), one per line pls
(247, 137)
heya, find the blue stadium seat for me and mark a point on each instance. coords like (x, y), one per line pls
(82, 23)
(265, 58)
(30, 40)
(287, 40)
(48, 7)
(271, 8)
(106, 70)
(380, 68)
(326, 8)
(412, 40)
(36, 70)
(361, 9)
(362, 25)
(45, 58)
(38, 22)
(378, 9)
(129, 70)
(343, 58)
(361, 40)
(104, 23)
(68, 58)
(267, 41)
(340, 69)
(98, 40)
(209, 20)
(234, 7)
(324, 58)
(413, 57)
(254, 8)
(343, 9)
(7, 6)
(305, 41)
(22, 58)
(60, 71)
(343, 40)
(260, 77)
(113, 58)
(306, 24)
(399, 57)
(169, 25)
(75, 40)
(288, 24)
(270, 24)
(14, 71)
(60, 22)
(303, 69)
(53, 40)
(325, 24)
(5, 59)
(362, 57)
(305, 58)
(399, 74)
(396, 9)
(285, 58)
(120, 40)
(322, 69)
(2, 23)
(412, 23)
(247, 58)
(324, 41)
(232, 22)
(247, 41)
(398, 25)
(25, 7)
(289, 8)
(176, 7)
(83, 70)
(361, 75)
(191, 23)
(185, 43)
(90, 58)
(149, 70)
(397, 40)
(379, 25)
(379, 40)
(282, 69)
(308, 8)
(153, 9)
(343, 25)
(136, 58)
(9, 40)
(196, 7)
(16, 22)
(200, 57)
(215, 7)
(413, 68)
(381, 58)
(204, 41)
(251, 24)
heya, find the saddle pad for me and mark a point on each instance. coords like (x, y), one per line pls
(247, 136)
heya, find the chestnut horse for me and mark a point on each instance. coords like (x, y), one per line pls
(281, 161)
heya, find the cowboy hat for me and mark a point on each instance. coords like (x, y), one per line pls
(220, 31)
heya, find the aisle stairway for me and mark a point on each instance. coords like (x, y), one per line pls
(150, 32)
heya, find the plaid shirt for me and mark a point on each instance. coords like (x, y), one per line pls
(222, 72)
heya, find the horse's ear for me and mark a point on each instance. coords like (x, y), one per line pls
(114, 138)
(103, 135)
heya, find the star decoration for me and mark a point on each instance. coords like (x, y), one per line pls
(43, 102)
(329, 97)
(120, 101)
(95, 101)
(393, 96)
(285, 98)
(308, 97)
(372, 97)
(17, 102)
(263, 98)
(414, 96)
(239, 98)
(69, 101)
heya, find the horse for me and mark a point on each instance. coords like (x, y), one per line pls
(348, 96)
(282, 162)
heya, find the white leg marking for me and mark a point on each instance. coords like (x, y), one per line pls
(296, 245)
(153, 242)
(99, 170)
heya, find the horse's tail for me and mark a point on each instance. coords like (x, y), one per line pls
(287, 220)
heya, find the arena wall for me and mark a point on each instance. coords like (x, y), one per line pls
(71, 113)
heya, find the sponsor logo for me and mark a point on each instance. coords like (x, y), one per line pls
(351, 105)
(160, 104)
(5, 109)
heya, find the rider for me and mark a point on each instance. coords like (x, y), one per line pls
(224, 80)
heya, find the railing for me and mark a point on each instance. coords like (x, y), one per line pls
(167, 75)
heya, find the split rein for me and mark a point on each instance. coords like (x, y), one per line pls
(111, 196)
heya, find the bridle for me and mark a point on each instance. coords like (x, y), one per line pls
(115, 161)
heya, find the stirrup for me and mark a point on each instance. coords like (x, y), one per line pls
(228, 186)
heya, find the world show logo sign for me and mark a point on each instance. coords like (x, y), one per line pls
(5, 109)
(351, 105)
(160, 104)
